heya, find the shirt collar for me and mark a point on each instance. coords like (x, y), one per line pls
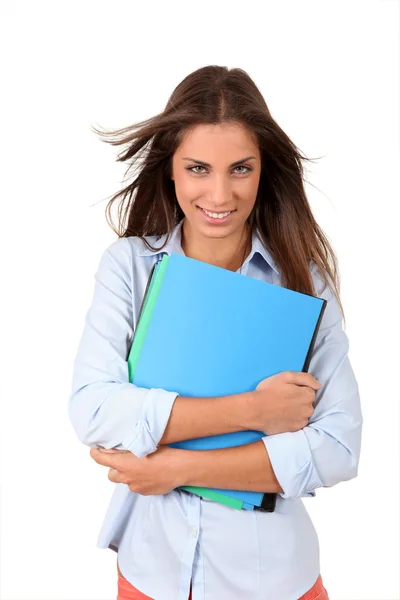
(174, 245)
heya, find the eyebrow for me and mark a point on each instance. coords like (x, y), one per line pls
(201, 162)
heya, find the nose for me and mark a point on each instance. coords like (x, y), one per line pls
(220, 193)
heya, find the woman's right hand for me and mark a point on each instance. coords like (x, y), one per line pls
(284, 402)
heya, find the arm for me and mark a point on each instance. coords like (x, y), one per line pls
(327, 450)
(200, 417)
(107, 410)
(245, 467)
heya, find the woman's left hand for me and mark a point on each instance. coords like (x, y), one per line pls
(156, 473)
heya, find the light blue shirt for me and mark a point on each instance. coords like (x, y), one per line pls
(165, 540)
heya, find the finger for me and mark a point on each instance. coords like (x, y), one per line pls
(114, 475)
(102, 458)
(305, 379)
(116, 460)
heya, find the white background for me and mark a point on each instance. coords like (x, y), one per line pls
(329, 74)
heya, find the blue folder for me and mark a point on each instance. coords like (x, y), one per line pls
(206, 331)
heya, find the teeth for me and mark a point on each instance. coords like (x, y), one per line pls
(215, 215)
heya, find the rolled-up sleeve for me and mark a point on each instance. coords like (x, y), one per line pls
(105, 409)
(327, 450)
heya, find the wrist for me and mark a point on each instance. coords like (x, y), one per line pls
(181, 466)
(250, 416)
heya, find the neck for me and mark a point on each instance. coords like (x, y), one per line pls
(225, 253)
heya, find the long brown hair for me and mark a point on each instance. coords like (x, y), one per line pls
(215, 95)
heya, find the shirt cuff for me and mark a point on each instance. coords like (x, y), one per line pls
(291, 460)
(156, 411)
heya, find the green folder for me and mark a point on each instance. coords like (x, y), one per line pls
(149, 301)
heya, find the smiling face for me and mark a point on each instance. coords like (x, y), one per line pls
(217, 168)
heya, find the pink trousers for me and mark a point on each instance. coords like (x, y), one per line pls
(126, 591)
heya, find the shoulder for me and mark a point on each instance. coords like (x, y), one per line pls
(325, 290)
(129, 249)
(125, 261)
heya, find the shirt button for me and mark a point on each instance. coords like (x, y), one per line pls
(194, 531)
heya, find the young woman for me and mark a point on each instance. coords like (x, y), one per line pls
(218, 181)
